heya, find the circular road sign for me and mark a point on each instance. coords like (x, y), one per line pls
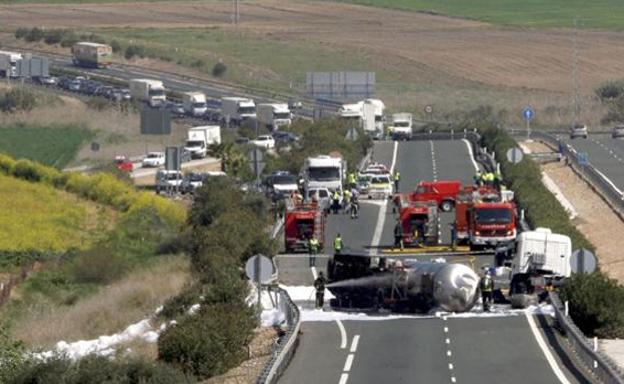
(259, 268)
(583, 261)
(528, 113)
(514, 155)
(428, 109)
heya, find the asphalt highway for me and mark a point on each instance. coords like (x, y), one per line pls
(425, 349)
(605, 153)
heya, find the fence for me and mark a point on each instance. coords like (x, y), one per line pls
(601, 366)
(590, 174)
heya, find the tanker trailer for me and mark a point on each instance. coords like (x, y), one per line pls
(365, 282)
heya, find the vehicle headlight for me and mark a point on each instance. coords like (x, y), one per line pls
(478, 233)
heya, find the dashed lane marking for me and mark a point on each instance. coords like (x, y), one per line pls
(354, 343)
(343, 378)
(348, 363)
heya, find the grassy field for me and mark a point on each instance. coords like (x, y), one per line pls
(528, 13)
(250, 59)
(55, 146)
(38, 217)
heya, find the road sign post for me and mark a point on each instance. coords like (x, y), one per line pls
(259, 269)
(256, 157)
(528, 114)
(514, 155)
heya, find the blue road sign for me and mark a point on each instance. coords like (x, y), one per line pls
(582, 158)
(528, 113)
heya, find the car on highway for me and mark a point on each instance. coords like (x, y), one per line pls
(123, 163)
(380, 187)
(177, 109)
(195, 180)
(363, 184)
(281, 184)
(264, 141)
(168, 180)
(578, 130)
(125, 94)
(285, 137)
(71, 83)
(154, 159)
(320, 195)
(618, 132)
(45, 80)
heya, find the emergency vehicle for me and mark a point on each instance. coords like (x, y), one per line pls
(420, 222)
(485, 216)
(302, 220)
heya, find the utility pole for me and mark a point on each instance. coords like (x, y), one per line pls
(236, 13)
(575, 74)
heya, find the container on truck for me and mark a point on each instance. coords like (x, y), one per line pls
(92, 55)
(200, 138)
(379, 109)
(401, 127)
(274, 116)
(324, 172)
(237, 109)
(351, 113)
(149, 91)
(194, 103)
(8, 64)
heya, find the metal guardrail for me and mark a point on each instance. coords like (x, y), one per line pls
(588, 172)
(598, 363)
(285, 350)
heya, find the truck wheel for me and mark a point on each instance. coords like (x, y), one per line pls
(447, 205)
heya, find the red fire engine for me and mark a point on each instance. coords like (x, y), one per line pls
(302, 221)
(485, 217)
(443, 192)
(420, 222)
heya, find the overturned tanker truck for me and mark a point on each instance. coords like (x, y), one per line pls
(376, 283)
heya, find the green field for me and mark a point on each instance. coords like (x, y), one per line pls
(55, 145)
(526, 13)
(37, 217)
(250, 60)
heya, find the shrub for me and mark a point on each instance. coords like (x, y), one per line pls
(69, 39)
(21, 33)
(6, 164)
(99, 265)
(31, 171)
(210, 342)
(18, 99)
(198, 63)
(134, 50)
(96, 370)
(115, 46)
(610, 91)
(98, 103)
(53, 36)
(11, 356)
(219, 69)
(34, 35)
(596, 304)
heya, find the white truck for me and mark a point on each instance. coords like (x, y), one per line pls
(540, 257)
(401, 126)
(8, 63)
(274, 116)
(352, 113)
(150, 91)
(380, 110)
(324, 172)
(237, 109)
(194, 103)
(199, 138)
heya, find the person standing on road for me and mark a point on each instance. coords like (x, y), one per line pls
(487, 288)
(397, 179)
(346, 200)
(338, 244)
(319, 285)
(313, 247)
(336, 202)
(398, 235)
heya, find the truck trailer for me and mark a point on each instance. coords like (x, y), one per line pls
(149, 91)
(274, 116)
(194, 103)
(237, 109)
(200, 138)
(92, 55)
(8, 64)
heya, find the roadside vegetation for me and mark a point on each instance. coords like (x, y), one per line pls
(39, 217)
(531, 13)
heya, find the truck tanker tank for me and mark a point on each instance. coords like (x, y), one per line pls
(417, 285)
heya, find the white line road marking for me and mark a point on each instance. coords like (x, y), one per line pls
(343, 334)
(314, 273)
(354, 343)
(448, 341)
(549, 357)
(451, 366)
(444, 318)
(445, 329)
(474, 163)
(381, 216)
(448, 353)
(343, 378)
(348, 363)
(434, 166)
(453, 379)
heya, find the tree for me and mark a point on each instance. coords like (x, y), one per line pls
(219, 69)
(233, 162)
(11, 356)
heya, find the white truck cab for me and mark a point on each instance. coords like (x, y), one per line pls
(324, 172)
(401, 126)
(194, 103)
(238, 109)
(274, 116)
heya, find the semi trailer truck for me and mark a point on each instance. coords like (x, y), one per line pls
(149, 91)
(8, 64)
(92, 55)
(194, 103)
